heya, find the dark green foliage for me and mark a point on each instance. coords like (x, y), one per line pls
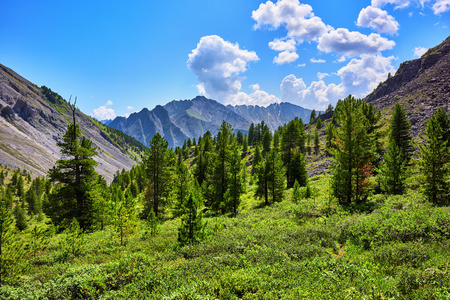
(354, 152)
(245, 144)
(11, 251)
(266, 140)
(20, 187)
(435, 160)
(271, 180)
(313, 116)
(240, 137)
(220, 180)
(158, 165)
(293, 138)
(316, 142)
(192, 226)
(203, 167)
(400, 131)
(257, 158)
(236, 182)
(329, 140)
(181, 187)
(152, 223)
(74, 241)
(76, 174)
(319, 123)
(21, 219)
(276, 140)
(297, 170)
(393, 170)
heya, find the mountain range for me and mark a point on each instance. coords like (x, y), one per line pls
(33, 119)
(180, 120)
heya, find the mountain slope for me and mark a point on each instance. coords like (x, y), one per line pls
(33, 120)
(421, 86)
(192, 118)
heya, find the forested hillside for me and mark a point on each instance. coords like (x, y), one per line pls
(235, 215)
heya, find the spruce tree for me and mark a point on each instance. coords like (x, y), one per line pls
(276, 140)
(276, 179)
(21, 220)
(262, 184)
(292, 138)
(435, 160)
(158, 165)
(316, 142)
(297, 169)
(312, 116)
(251, 135)
(266, 140)
(192, 229)
(181, 187)
(329, 139)
(75, 172)
(257, 158)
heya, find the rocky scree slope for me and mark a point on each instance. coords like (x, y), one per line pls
(421, 86)
(33, 120)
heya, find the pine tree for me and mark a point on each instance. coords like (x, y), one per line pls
(435, 160)
(158, 165)
(292, 138)
(192, 229)
(296, 193)
(181, 188)
(316, 142)
(236, 183)
(245, 144)
(221, 165)
(400, 131)
(21, 220)
(266, 140)
(251, 135)
(319, 123)
(353, 154)
(257, 158)
(393, 170)
(276, 180)
(297, 169)
(75, 172)
(262, 184)
(276, 140)
(313, 116)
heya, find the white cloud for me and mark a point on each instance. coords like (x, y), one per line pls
(255, 87)
(441, 6)
(299, 20)
(130, 107)
(397, 3)
(290, 86)
(317, 95)
(285, 57)
(377, 19)
(317, 61)
(419, 51)
(321, 75)
(103, 113)
(217, 64)
(258, 97)
(301, 65)
(359, 77)
(109, 103)
(280, 45)
(353, 43)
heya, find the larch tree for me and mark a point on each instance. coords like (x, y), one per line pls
(236, 185)
(76, 175)
(435, 159)
(353, 154)
(158, 164)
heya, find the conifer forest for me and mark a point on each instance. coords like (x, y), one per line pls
(235, 215)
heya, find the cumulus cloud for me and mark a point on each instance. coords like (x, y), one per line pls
(285, 57)
(280, 45)
(301, 65)
(353, 43)
(317, 61)
(441, 6)
(316, 96)
(258, 97)
(217, 64)
(130, 107)
(359, 77)
(377, 19)
(419, 51)
(104, 112)
(298, 18)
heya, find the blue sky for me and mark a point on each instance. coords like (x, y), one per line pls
(118, 57)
